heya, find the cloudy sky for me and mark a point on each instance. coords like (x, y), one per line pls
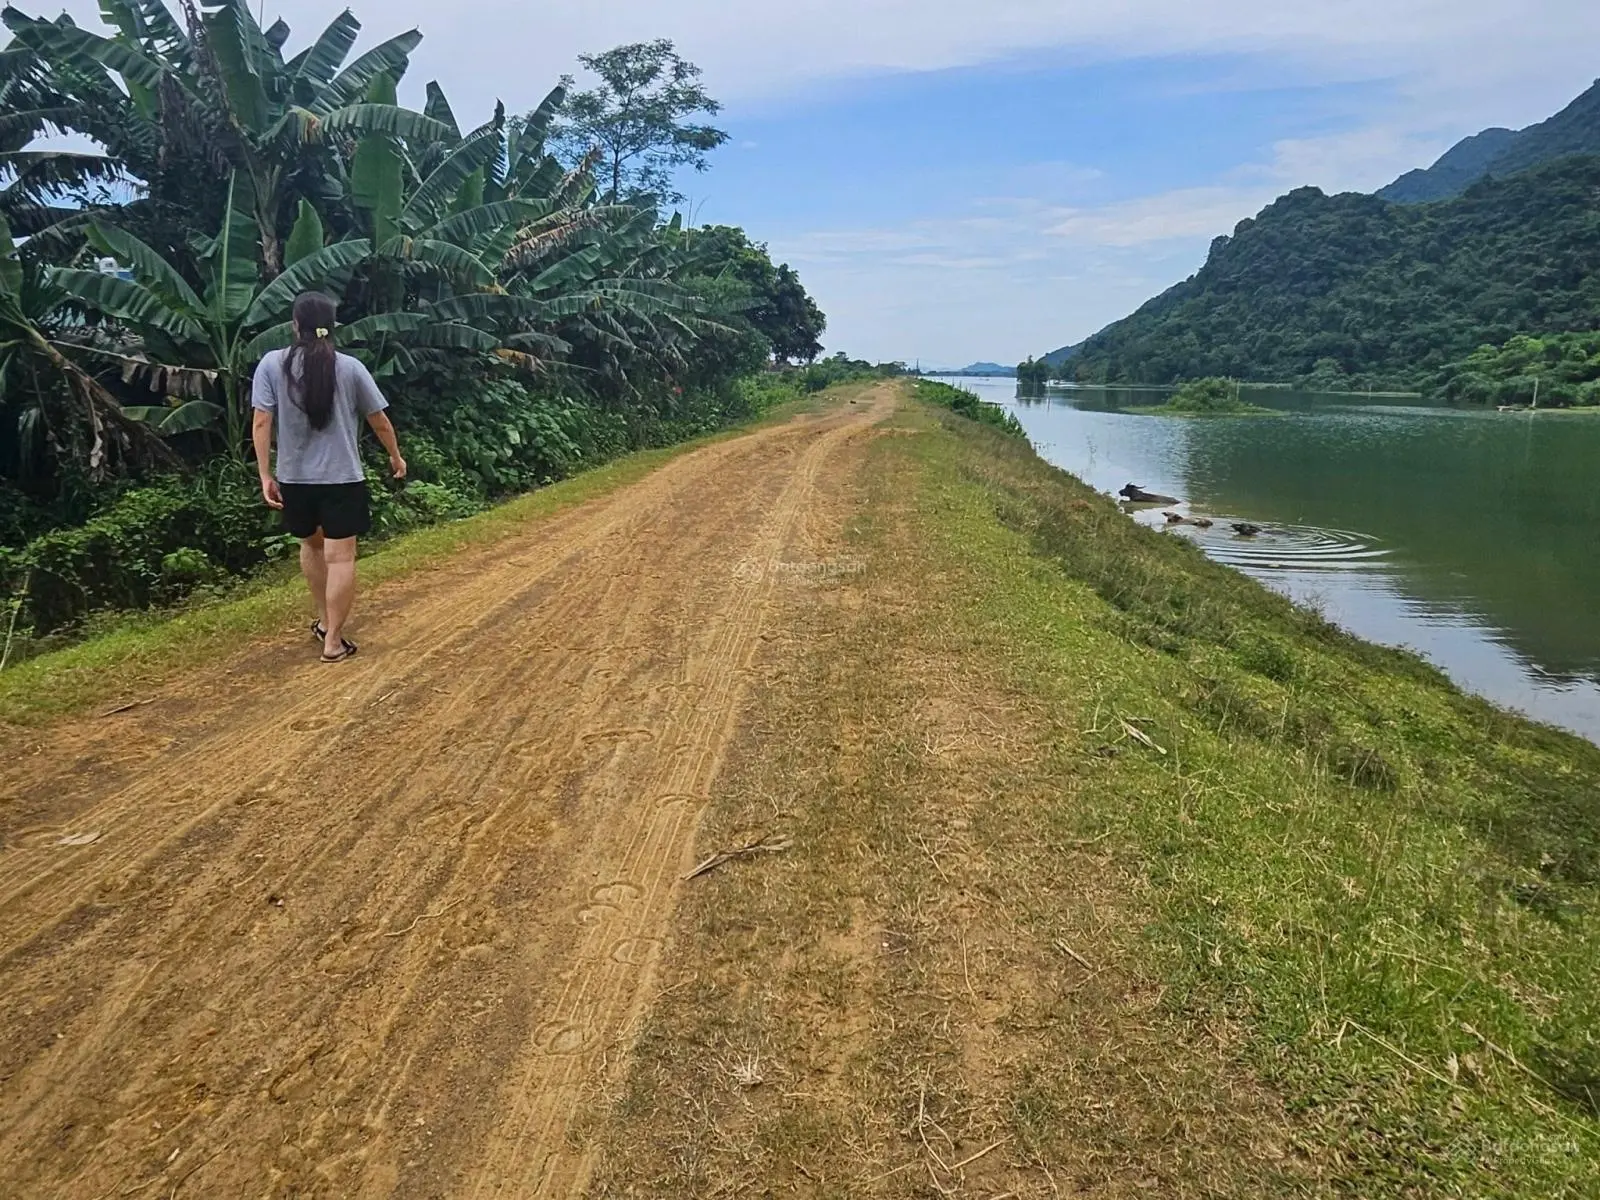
(958, 181)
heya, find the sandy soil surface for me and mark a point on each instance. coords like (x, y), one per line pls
(385, 928)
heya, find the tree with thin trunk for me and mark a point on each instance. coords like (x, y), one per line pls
(639, 119)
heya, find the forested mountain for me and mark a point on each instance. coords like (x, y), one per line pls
(1056, 357)
(1457, 169)
(1573, 130)
(1352, 289)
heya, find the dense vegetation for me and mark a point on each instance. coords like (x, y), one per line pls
(524, 320)
(1355, 291)
(1034, 373)
(1573, 130)
(968, 405)
(1559, 371)
(1210, 397)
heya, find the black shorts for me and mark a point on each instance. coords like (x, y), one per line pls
(339, 510)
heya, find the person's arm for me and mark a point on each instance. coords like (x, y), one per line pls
(261, 434)
(264, 399)
(380, 424)
(371, 404)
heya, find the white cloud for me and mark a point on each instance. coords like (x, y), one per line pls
(482, 49)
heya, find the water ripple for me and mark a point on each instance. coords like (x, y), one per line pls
(1290, 548)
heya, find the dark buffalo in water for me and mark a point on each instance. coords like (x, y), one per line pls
(1135, 494)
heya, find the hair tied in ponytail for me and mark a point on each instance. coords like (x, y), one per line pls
(312, 365)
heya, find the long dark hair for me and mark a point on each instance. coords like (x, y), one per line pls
(312, 363)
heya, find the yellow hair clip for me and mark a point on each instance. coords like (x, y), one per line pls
(322, 333)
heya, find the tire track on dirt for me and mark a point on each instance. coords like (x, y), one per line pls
(381, 930)
(616, 960)
(436, 628)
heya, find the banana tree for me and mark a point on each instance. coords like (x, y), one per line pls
(222, 93)
(49, 400)
(205, 336)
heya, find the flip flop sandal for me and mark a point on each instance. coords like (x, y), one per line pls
(318, 632)
(348, 650)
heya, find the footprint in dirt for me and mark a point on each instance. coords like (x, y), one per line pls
(562, 1037)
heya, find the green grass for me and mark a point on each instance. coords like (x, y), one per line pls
(1393, 888)
(127, 652)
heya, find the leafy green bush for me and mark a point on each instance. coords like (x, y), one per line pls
(1565, 367)
(419, 503)
(968, 405)
(1207, 396)
(152, 545)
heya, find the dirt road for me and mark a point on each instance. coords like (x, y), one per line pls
(383, 929)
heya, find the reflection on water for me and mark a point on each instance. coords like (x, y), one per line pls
(1467, 536)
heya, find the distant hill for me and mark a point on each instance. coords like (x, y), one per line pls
(1352, 289)
(987, 369)
(1056, 357)
(1573, 130)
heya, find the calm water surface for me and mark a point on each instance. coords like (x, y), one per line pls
(1467, 536)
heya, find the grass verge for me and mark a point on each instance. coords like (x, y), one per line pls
(137, 650)
(1114, 860)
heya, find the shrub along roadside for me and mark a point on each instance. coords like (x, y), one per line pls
(968, 405)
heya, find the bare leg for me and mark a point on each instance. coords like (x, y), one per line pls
(339, 557)
(315, 570)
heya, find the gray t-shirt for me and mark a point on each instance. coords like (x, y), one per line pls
(307, 455)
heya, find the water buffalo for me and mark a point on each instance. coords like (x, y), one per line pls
(1135, 494)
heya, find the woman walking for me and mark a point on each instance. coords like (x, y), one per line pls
(318, 397)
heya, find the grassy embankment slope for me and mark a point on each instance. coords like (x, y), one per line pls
(1114, 872)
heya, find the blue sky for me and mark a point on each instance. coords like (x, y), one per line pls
(958, 181)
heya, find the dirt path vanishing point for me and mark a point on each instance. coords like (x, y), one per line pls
(382, 928)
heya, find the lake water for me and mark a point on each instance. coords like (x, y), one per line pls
(1470, 537)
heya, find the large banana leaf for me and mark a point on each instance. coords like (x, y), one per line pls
(382, 325)
(432, 199)
(537, 127)
(470, 194)
(377, 172)
(450, 336)
(388, 119)
(464, 227)
(123, 16)
(318, 64)
(390, 58)
(231, 260)
(126, 301)
(451, 259)
(12, 276)
(153, 272)
(278, 296)
(479, 308)
(537, 177)
(164, 35)
(40, 174)
(183, 418)
(305, 239)
(241, 51)
(83, 49)
(577, 266)
(274, 337)
(439, 109)
(276, 35)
